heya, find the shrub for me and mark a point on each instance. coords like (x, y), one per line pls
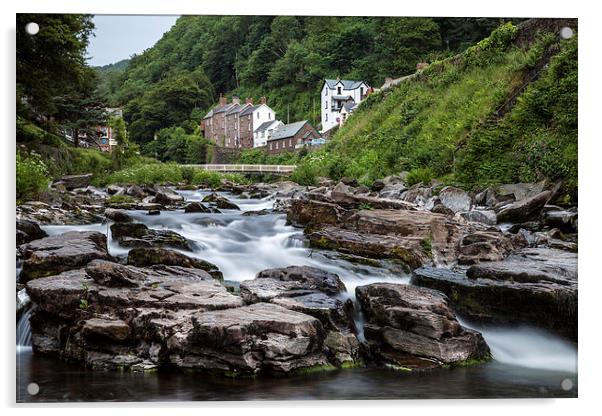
(32, 176)
(305, 175)
(424, 175)
(147, 174)
(121, 199)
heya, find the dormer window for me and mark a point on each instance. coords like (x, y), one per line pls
(338, 90)
(361, 91)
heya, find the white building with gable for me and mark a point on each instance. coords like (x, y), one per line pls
(335, 94)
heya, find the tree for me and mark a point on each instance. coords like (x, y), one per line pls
(49, 62)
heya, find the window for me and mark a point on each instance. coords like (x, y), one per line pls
(276, 145)
(326, 116)
(269, 116)
(326, 92)
(339, 90)
(361, 92)
(258, 115)
(325, 104)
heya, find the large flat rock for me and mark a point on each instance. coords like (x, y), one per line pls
(414, 327)
(58, 253)
(535, 286)
(259, 338)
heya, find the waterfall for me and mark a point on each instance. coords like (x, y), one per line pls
(24, 330)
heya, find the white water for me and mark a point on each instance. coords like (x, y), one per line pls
(528, 347)
(241, 246)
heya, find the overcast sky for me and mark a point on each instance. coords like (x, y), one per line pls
(119, 37)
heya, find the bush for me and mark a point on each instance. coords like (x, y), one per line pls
(305, 175)
(148, 174)
(32, 176)
(424, 175)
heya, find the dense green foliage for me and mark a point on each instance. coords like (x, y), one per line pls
(282, 57)
(32, 176)
(442, 123)
(51, 63)
(157, 173)
(176, 145)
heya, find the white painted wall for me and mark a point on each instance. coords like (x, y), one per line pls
(329, 117)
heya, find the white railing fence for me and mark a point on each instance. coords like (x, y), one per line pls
(282, 169)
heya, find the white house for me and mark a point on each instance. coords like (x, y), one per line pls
(346, 110)
(264, 132)
(335, 93)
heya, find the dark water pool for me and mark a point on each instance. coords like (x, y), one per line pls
(60, 382)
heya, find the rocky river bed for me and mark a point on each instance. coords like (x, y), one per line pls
(286, 292)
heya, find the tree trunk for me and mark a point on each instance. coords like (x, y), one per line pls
(76, 137)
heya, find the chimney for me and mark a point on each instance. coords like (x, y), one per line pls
(222, 100)
(249, 100)
(235, 99)
(263, 100)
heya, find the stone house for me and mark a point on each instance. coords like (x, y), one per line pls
(233, 125)
(290, 137)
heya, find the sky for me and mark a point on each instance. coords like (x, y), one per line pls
(119, 37)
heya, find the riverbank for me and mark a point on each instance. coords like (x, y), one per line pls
(243, 242)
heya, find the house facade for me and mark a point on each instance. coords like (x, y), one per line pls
(264, 132)
(233, 125)
(290, 137)
(337, 92)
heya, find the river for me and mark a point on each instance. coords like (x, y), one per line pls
(528, 362)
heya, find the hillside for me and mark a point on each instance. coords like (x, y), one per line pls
(504, 111)
(282, 57)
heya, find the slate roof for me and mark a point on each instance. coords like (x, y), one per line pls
(265, 125)
(250, 109)
(222, 108)
(347, 83)
(234, 109)
(349, 106)
(209, 114)
(288, 130)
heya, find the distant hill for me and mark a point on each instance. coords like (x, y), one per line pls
(282, 57)
(111, 77)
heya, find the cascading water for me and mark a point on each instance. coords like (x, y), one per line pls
(242, 245)
(24, 331)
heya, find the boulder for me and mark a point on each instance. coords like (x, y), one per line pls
(534, 286)
(117, 215)
(524, 209)
(455, 199)
(414, 327)
(136, 191)
(487, 217)
(149, 256)
(349, 181)
(256, 213)
(139, 235)
(259, 338)
(71, 182)
(28, 231)
(305, 289)
(167, 197)
(313, 213)
(196, 207)
(114, 316)
(418, 194)
(220, 202)
(563, 219)
(58, 253)
(377, 186)
(488, 245)
(115, 190)
(520, 191)
(311, 277)
(43, 213)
